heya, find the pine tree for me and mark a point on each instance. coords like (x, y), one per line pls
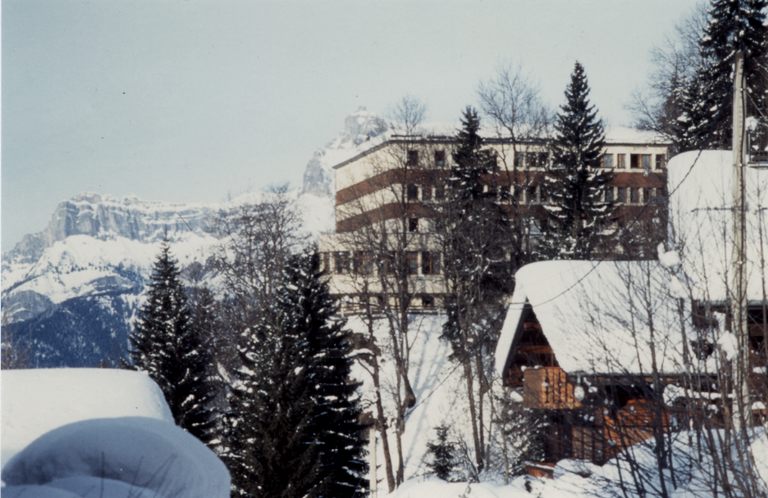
(734, 25)
(170, 350)
(296, 431)
(577, 213)
(442, 461)
(475, 234)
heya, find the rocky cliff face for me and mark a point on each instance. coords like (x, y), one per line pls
(360, 128)
(71, 292)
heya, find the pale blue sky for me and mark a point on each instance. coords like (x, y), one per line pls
(187, 100)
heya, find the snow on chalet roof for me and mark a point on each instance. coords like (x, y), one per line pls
(598, 317)
(700, 185)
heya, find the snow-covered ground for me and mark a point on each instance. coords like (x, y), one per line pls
(98, 433)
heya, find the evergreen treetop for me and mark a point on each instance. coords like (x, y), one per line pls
(576, 205)
(170, 349)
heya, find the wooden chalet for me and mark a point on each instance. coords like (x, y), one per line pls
(568, 348)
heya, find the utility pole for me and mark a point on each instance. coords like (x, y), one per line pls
(739, 258)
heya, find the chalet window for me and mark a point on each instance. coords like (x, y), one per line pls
(607, 161)
(427, 301)
(661, 161)
(430, 263)
(622, 194)
(413, 224)
(426, 193)
(440, 158)
(341, 262)
(634, 195)
(412, 262)
(412, 192)
(621, 161)
(412, 158)
(439, 192)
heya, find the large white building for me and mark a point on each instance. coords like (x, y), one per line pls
(386, 197)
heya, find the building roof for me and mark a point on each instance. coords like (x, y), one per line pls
(446, 133)
(599, 317)
(700, 186)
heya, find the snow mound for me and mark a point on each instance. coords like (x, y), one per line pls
(138, 452)
(35, 402)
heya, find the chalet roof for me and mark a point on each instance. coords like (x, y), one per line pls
(700, 185)
(599, 317)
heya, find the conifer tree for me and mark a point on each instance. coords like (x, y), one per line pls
(475, 234)
(705, 121)
(442, 461)
(167, 346)
(577, 212)
(297, 430)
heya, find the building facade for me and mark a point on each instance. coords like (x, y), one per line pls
(388, 196)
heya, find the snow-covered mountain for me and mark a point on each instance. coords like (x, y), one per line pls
(70, 292)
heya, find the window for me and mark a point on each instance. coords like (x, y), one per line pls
(621, 161)
(427, 301)
(621, 194)
(439, 192)
(413, 224)
(412, 158)
(607, 161)
(532, 194)
(430, 263)
(609, 197)
(440, 158)
(325, 262)
(634, 161)
(661, 161)
(518, 161)
(634, 195)
(647, 195)
(646, 158)
(341, 262)
(412, 192)
(426, 193)
(362, 263)
(412, 262)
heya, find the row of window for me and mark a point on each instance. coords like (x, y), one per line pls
(363, 263)
(377, 301)
(533, 194)
(540, 159)
(636, 161)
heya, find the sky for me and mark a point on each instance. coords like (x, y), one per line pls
(195, 100)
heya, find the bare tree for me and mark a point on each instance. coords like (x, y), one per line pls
(522, 123)
(657, 106)
(385, 228)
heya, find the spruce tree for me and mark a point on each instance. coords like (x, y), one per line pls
(442, 461)
(577, 212)
(296, 429)
(167, 346)
(476, 236)
(705, 121)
